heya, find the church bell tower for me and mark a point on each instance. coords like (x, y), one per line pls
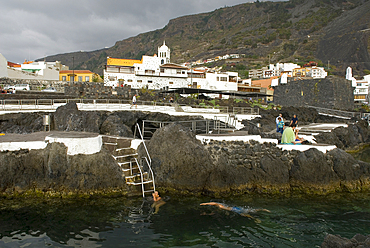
(164, 53)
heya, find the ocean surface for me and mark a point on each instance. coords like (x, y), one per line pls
(293, 221)
(181, 222)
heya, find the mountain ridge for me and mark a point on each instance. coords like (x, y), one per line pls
(293, 31)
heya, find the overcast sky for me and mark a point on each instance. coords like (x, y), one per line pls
(38, 28)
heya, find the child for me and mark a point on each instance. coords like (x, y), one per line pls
(280, 125)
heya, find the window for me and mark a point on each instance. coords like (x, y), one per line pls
(64, 78)
(183, 72)
(79, 78)
(150, 81)
(112, 78)
(87, 79)
(223, 79)
(162, 70)
(72, 78)
(170, 82)
(360, 97)
(218, 78)
(139, 81)
(129, 80)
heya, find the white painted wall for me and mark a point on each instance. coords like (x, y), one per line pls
(16, 146)
(76, 146)
(3, 66)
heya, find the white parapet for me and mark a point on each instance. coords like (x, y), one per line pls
(245, 138)
(78, 145)
(15, 146)
(302, 148)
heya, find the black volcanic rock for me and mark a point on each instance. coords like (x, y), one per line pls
(69, 118)
(346, 138)
(113, 125)
(180, 162)
(51, 169)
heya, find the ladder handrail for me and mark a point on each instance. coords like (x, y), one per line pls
(151, 172)
(141, 177)
(142, 138)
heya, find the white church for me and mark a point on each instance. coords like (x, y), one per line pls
(157, 72)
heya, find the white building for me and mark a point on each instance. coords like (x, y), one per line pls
(31, 70)
(157, 72)
(3, 66)
(361, 92)
(204, 79)
(316, 72)
(281, 67)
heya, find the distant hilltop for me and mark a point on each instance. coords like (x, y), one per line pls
(334, 33)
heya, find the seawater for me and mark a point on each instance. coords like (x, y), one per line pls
(295, 221)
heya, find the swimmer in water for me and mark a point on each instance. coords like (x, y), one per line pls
(242, 211)
(158, 201)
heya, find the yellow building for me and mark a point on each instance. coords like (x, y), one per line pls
(301, 72)
(79, 76)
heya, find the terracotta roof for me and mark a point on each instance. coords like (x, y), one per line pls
(75, 71)
(11, 64)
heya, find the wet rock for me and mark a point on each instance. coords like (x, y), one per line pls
(336, 241)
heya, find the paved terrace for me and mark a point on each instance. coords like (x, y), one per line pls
(221, 114)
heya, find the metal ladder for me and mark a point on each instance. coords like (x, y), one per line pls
(132, 169)
(146, 177)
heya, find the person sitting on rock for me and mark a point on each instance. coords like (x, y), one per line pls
(294, 120)
(288, 136)
(296, 130)
(239, 210)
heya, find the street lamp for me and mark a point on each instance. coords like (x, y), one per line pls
(73, 69)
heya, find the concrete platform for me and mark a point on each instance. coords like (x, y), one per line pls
(76, 142)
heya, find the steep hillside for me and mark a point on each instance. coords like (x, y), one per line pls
(296, 31)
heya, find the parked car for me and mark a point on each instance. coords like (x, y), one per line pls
(22, 87)
(50, 89)
(9, 87)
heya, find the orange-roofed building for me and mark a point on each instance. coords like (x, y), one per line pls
(11, 64)
(79, 76)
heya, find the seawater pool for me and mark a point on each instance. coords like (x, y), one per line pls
(294, 221)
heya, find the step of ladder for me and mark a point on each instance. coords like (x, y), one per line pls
(124, 156)
(139, 183)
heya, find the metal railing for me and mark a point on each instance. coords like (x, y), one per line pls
(335, 112)
(148, 162)
(88, 104)
(204, 126)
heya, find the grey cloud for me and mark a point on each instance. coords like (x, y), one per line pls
(34, 29)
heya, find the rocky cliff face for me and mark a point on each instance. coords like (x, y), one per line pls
(182, 163)
(51, 170)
